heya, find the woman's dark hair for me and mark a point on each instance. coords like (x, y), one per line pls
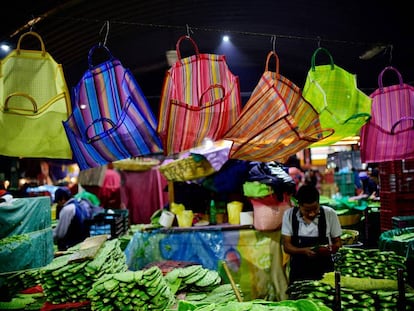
(307, 194)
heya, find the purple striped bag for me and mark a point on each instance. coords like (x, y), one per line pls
(276, 122)
(389, 134)
(111, 118)
(200, 99)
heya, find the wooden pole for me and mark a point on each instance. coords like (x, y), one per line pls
(170, 192)
(233, 285)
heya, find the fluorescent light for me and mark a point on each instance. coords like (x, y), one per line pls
(5, 47)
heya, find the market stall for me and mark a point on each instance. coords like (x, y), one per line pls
(245, 250)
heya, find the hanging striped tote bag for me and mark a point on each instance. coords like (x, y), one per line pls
(333, 92)
(389, 134)
(276, 122)
(111, 118)
(200, 99)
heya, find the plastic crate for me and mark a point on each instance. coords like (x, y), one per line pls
(402, 221)
(397, 176)
(114, 224)
(396, 167)
(344, 178)
(394, 204)
(347, 189)
(397, 182)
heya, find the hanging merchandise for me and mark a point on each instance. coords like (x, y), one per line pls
(34, 102)
(200, 99)
(197, 163)
(334, 94)
(111, 118)
(269, 206)
(276, 122)
(389, 134)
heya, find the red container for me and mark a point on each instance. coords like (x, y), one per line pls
(397, 176)
(397, 182)
(396, 167)
(394, 204)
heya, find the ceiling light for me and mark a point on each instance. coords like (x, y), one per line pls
(226, 38)
(5, 47)
(374, 51)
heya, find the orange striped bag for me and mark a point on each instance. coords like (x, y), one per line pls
(200, 99)
(276, 122)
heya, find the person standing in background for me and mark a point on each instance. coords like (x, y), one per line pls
(44, 178)
(357, 181)
(110, 192)
(311, 234)
(72, 227)
(369, 183)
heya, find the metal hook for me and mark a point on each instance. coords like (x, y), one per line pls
(273, 41)
(107, 32)
(319, 41)
(189, 31)
(391, 47)
(32, 24)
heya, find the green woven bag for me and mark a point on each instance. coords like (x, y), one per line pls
(333, 92)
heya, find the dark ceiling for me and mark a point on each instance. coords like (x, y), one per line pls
(140, 32)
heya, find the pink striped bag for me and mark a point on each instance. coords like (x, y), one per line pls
(389, 134)
(200, 99)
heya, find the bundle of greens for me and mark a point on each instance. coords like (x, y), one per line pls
(65, 281)
(131, 290)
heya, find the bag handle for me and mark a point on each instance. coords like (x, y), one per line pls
(400, 121)
(31, 99)
(211, 87)
(314, 57)
(31, 33)
(311, 135)
(93, 49)
(272, 53)
(181, 39)
(98, 136)
(359, 115)
(380, 82)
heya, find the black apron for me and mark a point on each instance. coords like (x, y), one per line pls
(303, 267)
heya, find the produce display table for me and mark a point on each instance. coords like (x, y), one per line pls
(248, 253)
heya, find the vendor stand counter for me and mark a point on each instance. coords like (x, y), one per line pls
(246, 251)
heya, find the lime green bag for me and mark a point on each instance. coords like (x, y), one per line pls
(34, 100)
(334, 94)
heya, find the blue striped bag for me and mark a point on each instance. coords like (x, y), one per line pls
(111, 118)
